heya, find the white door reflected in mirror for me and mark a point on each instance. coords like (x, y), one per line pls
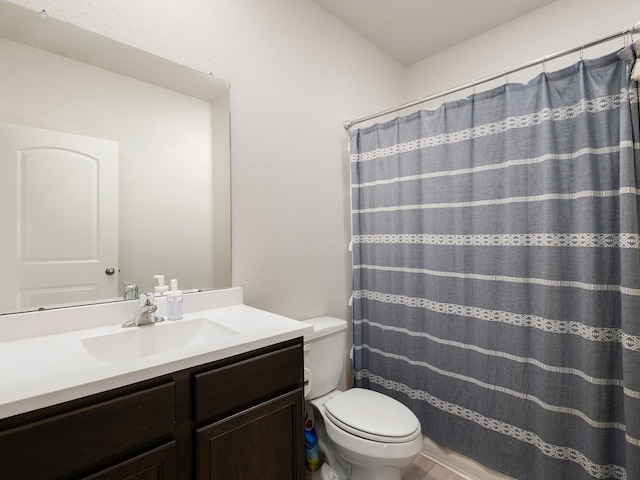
(172, 127)
(60, 190)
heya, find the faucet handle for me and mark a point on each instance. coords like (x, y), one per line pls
(146, 312)
(147, 299)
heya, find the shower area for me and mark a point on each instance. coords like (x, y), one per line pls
(496, 270)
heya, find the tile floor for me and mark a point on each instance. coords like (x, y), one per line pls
(424, 469)
(421, 469)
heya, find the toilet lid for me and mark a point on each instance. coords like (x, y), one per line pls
(373, 416)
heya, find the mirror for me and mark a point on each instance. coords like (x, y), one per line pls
(170, 128)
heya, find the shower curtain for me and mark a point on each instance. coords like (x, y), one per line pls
(496, 269)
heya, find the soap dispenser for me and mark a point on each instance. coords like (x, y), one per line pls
(174, 302)
(161, 288)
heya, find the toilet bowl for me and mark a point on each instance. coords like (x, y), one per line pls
(374, 433)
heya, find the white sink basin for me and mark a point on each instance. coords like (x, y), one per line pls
(136, 342)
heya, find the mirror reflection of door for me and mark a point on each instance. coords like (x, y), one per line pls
(55, 183)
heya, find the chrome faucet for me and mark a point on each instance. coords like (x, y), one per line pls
(130, 291)
(146, 313)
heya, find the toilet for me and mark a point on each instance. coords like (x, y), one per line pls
(375, 434)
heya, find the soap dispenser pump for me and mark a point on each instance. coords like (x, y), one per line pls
(161, 288)
(174, 302)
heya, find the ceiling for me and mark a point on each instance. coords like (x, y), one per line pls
(410, 30)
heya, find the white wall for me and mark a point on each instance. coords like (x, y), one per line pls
(559, 26)
(296, 73)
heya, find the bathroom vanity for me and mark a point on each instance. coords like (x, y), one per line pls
(218, 406)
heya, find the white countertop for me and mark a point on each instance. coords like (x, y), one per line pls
(43, 360)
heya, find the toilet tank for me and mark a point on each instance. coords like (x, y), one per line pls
(325, 354)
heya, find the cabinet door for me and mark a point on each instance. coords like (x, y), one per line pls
(158, 464)
(261, 443)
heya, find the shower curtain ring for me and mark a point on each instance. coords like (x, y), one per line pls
(627, 36)
(581, 51)
(506, 76)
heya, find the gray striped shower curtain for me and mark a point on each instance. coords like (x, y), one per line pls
(496, 270)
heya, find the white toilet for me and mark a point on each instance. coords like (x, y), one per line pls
(374, 433)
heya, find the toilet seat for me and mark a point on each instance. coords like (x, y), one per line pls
(373, 416)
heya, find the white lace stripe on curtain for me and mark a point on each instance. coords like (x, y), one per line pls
(511, 163)
(557, 114)
(532, 361)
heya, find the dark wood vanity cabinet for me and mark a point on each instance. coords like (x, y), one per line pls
(264, 438)
(238, 418)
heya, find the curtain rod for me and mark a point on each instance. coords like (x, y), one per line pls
(627, 31)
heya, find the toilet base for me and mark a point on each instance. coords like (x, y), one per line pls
(381, 473)
(328, 473)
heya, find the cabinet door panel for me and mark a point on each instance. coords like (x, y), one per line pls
(158, 464)
(261, 443)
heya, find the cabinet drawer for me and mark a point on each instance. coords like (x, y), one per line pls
(69, 442)
(240, 384)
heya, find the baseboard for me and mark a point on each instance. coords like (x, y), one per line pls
(459, 464)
